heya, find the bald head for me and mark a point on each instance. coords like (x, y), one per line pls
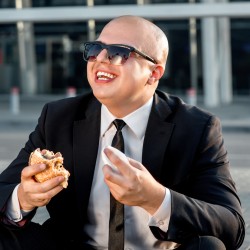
(140, 33)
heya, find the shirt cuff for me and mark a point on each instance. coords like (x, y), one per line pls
(161, 217)
(13, 211)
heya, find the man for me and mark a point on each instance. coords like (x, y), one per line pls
(175, 186)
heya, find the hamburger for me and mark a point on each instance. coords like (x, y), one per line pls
(54, 165)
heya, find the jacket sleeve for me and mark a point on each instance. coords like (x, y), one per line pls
(206, 202)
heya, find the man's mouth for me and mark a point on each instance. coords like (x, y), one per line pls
(104, 76)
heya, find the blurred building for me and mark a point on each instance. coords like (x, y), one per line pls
(58, 64)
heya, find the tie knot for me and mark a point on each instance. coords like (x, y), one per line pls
(119, 124)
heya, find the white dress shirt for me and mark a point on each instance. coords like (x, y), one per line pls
(138, 235)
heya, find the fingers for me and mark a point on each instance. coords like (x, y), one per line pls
(29, 196)
(119, 166)
(30, 171)
(117, 159)
(46, 186)
(117, 169)
(136, 164)
(34, 194)
(46, 193)
(112, 175)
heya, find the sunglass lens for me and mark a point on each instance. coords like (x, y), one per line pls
(118, 55)
(92, 51)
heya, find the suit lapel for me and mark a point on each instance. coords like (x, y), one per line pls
(86, 133)
(85, 148)
(157, 136)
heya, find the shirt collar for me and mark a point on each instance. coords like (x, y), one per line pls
(137, 120)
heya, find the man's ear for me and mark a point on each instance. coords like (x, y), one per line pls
(156, 74)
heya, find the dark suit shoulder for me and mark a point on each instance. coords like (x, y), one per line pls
(181, 111)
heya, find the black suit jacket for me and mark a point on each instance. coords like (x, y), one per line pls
(183, 149)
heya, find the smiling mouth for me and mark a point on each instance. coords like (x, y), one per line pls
(104, 76)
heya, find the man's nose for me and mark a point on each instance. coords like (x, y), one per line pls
(103, 56)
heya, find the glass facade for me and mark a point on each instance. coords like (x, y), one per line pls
(59, 60)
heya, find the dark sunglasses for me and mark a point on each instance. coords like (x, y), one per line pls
(117, 54)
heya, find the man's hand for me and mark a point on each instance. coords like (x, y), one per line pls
(32, 194)
(132, 184)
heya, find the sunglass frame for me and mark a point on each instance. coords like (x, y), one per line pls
(106, 46)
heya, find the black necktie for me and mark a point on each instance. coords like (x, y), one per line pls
(116, 221)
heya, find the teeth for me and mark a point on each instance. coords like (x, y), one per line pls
(104, 75)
